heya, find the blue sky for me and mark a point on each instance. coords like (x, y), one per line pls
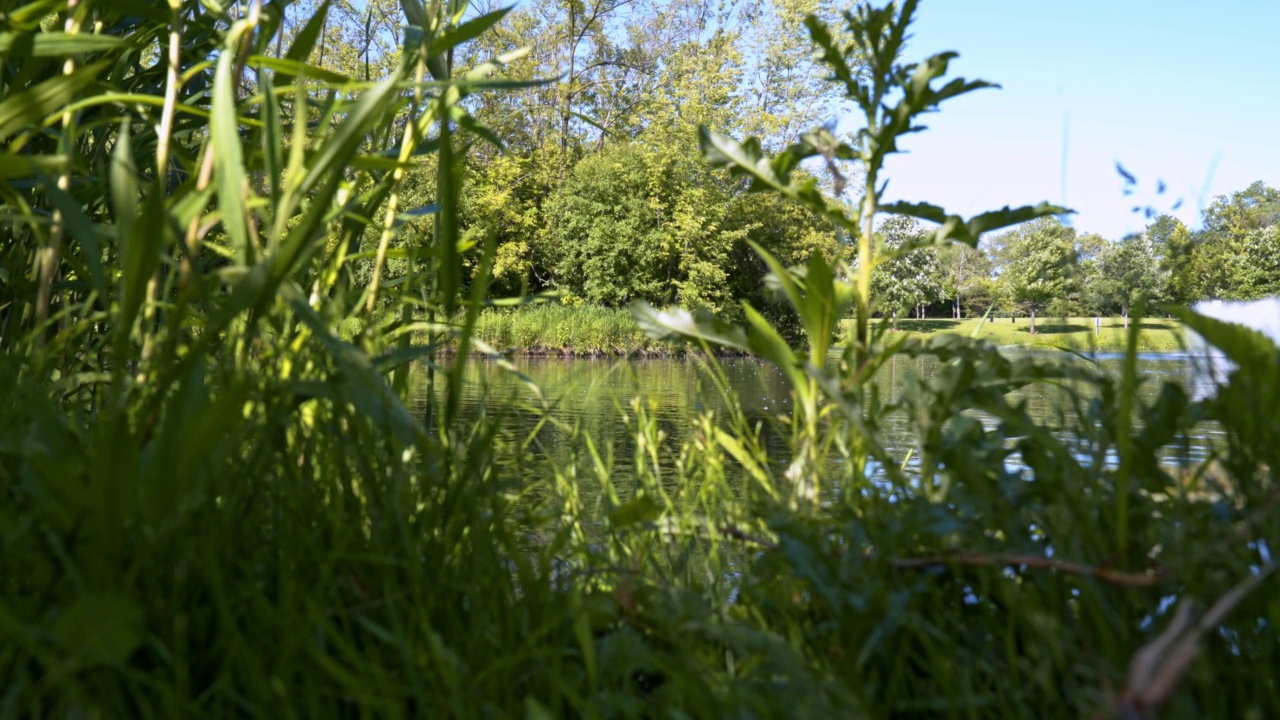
(1180, 91)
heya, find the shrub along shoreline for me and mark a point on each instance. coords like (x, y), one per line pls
(558, 330)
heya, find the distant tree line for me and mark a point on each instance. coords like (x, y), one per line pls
(1049, 268)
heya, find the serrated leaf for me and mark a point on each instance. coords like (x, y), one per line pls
(953, 228)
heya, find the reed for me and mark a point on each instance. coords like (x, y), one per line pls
(575, 330)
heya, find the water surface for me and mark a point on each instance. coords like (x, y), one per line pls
(596, 395)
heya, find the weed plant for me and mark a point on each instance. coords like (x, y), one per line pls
(218, 504)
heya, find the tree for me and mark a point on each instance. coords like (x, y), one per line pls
(907, 281)
(788, 91)
(638, 223)
(964, 271)
(1231, 256)
(613, 139)
(1255, 268)
(1254, 208)
(633, 223)
(1040, 264)
(1170, 244)
(1125, 273)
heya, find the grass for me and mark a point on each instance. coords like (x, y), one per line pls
(1077, 333)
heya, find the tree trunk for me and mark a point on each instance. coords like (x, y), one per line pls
(566, 107)
(1124, 310)
(895, 320)
(1033, 320)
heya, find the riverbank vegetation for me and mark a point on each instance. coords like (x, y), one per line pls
(221, 258)
(553, 328)
(558, 329)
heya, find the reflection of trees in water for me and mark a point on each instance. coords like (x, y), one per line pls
(596, 397)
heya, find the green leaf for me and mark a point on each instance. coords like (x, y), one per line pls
(766, 342)
(678, 325)
(414, 12)
(272, 140)
(831, 54)
(822, 307)
(14, 167)
(535, 710)
(744, 158)
(286, 68)
(124, 185)
(748, 159)
(780, 275)
(84, 230)
(953, 228)
(60, 44)
(639, 509)
(28, 16)
(140, 250)
(467, 122)
(325, 165)
(25, 109)
(455, 36)
(358, 382)
(231, 180)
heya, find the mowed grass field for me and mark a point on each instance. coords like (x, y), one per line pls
(1076, 333)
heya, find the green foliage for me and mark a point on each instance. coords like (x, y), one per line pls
(559, 329)
(218, 501)
(1234, 257)
(910, 279)
(966, 279)
(639, 223)
(628, 226)
(1125, 275)
(1041, 264)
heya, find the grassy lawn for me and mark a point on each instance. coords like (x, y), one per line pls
(1077, 333)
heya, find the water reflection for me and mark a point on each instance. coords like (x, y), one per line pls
(596, 395)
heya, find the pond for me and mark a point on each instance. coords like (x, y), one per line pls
(596, 396)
